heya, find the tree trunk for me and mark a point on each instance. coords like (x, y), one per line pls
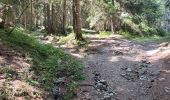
(113, 26)
(25, 20)
(64, 17)
(2, 23)
(77, 20)
(32, 23)
(53, 24)
(45, 16)
(49, 27)
(51, 19)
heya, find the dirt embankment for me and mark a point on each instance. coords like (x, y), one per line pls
(14, 76)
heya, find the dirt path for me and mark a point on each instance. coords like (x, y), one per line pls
(119, 69)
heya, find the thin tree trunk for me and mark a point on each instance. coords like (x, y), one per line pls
(45, 17)
(113, 20)
(49, 19)
(53, 25)
(112, 25)
(64, 16)
(25, 20)
(2, 23)
(32, 23)
(77, 20)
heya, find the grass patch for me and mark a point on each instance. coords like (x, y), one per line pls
(105, 33)
(147, 38)
(127, 34)
(155, 38)
(68, 38)
(48, 62)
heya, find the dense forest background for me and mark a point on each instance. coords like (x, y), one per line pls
(143, 17)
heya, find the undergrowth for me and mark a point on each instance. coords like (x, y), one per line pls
(48, 62)
(145, 38)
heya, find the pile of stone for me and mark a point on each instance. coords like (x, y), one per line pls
(140, 71)
(103, 91)
(59, 90)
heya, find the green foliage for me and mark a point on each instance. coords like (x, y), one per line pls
(161, 32)
(152, 37)
(127, 34)
(48, 62)
(109, 6)
(144, 18)
(148, 11)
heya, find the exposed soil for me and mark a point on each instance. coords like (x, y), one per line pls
(14, 76)
(120, 69)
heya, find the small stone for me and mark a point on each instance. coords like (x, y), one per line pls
(107, 96)
(124, 68)
(60, 80)
(98, 89)
(129, 70)
(143, 77)
(167, 89)
(103, 82)
(162, 79)
(97, 76)
(56, 90)
(152, 80)
(123, 74)
(144, 61)
(101, 87)
(148, 62)
(111, 94)
(155, 73)
(144, 65)
(118, 52)
(142, 71)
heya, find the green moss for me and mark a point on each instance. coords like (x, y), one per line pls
(48, 62)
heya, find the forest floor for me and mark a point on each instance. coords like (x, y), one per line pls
(122, 69)
(14, 71)
(116, 68)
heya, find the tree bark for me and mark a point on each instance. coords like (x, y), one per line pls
(77, 20)
(64, 17)
(51, 19)
(49, 27)
(113, 26)
(53, 24)
(31, 8)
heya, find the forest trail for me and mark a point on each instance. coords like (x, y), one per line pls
(121, 69)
